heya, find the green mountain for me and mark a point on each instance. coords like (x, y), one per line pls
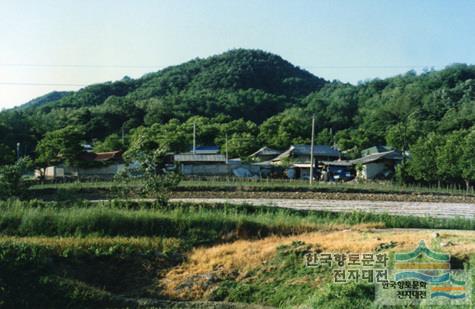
(225, 83)
(47, 98)
(249, 84)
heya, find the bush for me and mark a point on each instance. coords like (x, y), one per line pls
(12, 183)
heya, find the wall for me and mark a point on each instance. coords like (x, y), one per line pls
(215, 169)
(371, 170)
(105, 171)
(204, 169)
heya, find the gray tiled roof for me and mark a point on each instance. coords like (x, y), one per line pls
(338, 163)
(302, 150)
(199, 158)
(266, 151)
(392, 155)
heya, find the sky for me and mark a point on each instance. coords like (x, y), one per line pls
(67, 44)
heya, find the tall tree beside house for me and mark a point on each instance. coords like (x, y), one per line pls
(403, 134)
(145, 140)
(449, 156)
(290, 127)
(240, 145)
(241, 137)
(149, 152)
(423, 163)
(63, 145)
(111, 143)
(468, 158)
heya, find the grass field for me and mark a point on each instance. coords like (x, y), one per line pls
(130, 254)
(126, 253)
(128, 218)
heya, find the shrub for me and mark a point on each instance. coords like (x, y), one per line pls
(11, 182)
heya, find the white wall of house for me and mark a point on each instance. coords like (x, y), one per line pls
(51, 172)
(371, 170)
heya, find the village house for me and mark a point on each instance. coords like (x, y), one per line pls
(93, 165)
(374, 165)
(380, 165)
(207, 161)
(202, 161)
(375, 149)
(297, 159)
(339, 170)
(264, 154)
(189, 164)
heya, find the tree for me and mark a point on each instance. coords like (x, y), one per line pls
(325, 137)
(7, 155)
(402, 134)
(241, 145)
(291, 127)
(110, 143)
(241, 137)
(449, 156)
(423, 163)
(11, 181)
(468, 158)
(146, 140)
(150, 167)
(63, 145)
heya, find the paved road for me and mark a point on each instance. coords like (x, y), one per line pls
(440, 210)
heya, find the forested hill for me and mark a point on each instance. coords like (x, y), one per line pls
(250, 84)
(49, 97)
(256, 98)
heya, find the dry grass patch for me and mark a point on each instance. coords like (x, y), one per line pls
(237, 258)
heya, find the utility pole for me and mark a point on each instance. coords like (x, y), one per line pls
(311, 150)
(226, 148)
(194, 137)
(332, 137)
(18, 151)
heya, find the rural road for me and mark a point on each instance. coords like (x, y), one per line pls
(422, 209)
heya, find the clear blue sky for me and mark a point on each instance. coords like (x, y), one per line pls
(59, 45)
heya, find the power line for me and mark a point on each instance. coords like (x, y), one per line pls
(99, 66)
(91, 66)
(42, 84)
(374, 66)
(154, 66)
